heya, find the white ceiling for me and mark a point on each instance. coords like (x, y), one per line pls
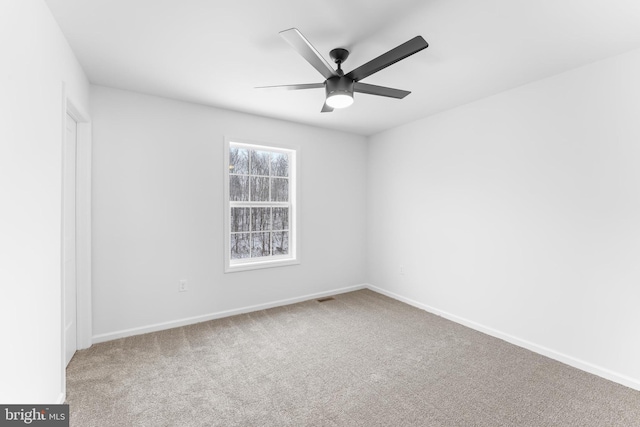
(215, 52)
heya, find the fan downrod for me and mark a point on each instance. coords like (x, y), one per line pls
(339, 55)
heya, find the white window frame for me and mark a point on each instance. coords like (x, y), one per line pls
(293, 257)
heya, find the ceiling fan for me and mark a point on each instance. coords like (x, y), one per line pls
(339, 87)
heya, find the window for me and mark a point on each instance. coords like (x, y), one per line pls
(260, 208)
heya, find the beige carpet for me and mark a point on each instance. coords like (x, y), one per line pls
(359, 360)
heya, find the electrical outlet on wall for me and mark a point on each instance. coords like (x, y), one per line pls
(182, 285)
(402, 270)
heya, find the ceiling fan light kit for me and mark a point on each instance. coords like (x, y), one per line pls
(340, 87)
(339, 92)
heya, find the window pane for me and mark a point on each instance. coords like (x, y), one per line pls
(260, 244)
(238, 160)
(239, 219)
(281, 243)
(260, 219)
(279, 164)
(240, 246)
(260, 162)
(260, 207)
(259, 189)
(280, 218)
(279, 189)
(238, 188)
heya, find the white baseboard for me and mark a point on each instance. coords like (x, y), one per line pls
(552, 354)
(218, 315)
(561, 357)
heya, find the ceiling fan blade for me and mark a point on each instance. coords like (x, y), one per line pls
(294, 87)
(396, 54)
(380, 90)
(308, 52)
(326, 108)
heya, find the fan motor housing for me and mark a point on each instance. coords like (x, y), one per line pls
(339, 84)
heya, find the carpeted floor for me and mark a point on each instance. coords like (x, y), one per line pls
(360, 360)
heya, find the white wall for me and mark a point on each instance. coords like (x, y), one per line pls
(157, 212)
(519, 215)
(36, 60)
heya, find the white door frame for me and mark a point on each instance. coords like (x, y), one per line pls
(69, 270)
(83, 223)
(83, 229)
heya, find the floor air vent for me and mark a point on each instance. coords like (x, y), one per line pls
(326, 299)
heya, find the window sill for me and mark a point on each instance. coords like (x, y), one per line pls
(260, 265)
